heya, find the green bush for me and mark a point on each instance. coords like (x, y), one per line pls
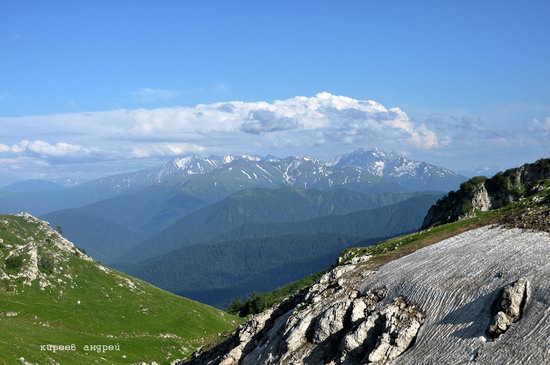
(255, 304)
(14, 263)
(46, 264)
(236, 306)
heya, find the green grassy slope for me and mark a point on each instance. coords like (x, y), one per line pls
(53, 294)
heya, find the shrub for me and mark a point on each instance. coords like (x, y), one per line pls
(236, 306)
(46, 264)
(253, 305)
(14, 263)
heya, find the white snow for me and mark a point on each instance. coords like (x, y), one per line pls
(379, 168)
(228, 159)
(455, 283)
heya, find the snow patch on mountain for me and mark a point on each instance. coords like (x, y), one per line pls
(360, 166)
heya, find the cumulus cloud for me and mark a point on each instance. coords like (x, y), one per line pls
(337, 117)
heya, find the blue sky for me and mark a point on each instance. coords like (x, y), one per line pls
(475, 73)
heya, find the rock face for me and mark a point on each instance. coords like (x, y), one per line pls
(331, 323)
(510, 306)
(480, 193)
(433, 306)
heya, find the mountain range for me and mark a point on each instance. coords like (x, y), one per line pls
(368, 166)
(190, 204)
(471, 287)
(263, 256)
(212, 178)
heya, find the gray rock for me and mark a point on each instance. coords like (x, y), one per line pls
(401, 324)
(331, 321)
(509, 305)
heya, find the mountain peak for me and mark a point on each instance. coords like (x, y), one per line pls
(391, 165)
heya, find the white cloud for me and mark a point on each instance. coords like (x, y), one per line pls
(42, 148)
(335, 116)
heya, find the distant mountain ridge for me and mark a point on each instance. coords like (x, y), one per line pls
(362, 165)
(255, 205)
(211, 178)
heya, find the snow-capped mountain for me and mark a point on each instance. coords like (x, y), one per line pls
(415, 175)
(371, 170)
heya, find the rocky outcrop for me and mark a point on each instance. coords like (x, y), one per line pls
(332, 323)
(509, 306)
(382, 335)
(482, 194)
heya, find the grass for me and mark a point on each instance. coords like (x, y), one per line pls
(87, 306)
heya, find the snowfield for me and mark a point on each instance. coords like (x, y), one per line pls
(455, 283)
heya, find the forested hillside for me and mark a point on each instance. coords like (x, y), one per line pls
(217, 271)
